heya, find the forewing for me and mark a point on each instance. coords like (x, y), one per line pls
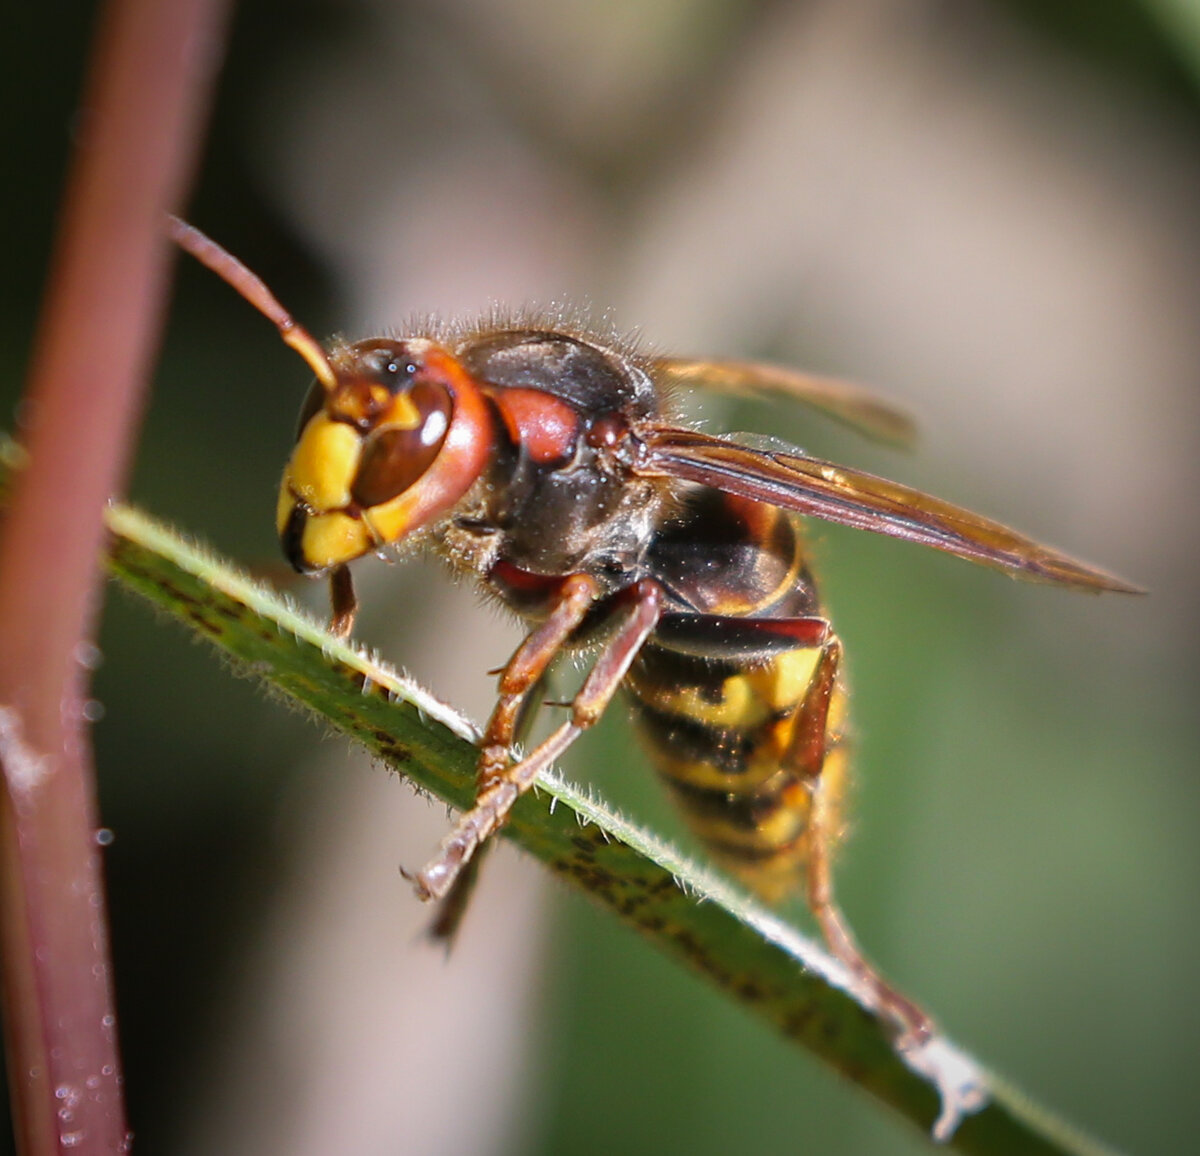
(794, 481)
(852, 404)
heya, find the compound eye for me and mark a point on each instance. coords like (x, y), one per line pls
(395, 458)
(314, 402)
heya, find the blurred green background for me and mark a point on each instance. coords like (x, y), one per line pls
(990, 209)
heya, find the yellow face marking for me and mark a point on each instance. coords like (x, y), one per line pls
(323, 464)
(390, 521)
(401, 414)
(334, 538)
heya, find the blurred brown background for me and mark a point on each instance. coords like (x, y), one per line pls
(988, 209)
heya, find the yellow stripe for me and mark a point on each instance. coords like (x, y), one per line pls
(760, 766)
(771, 857)
(745, 700)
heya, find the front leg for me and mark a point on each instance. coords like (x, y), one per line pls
(501, 782)
(343, 602)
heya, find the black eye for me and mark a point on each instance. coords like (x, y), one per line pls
(314, 402)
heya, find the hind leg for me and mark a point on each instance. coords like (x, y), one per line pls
(809, 757)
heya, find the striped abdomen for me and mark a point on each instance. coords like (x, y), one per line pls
(736, 695)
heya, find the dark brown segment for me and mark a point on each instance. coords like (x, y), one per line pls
(447, 920)
(810, 740)
(226, 266)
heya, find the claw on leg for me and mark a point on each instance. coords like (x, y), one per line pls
(474, 826)
(452, 908)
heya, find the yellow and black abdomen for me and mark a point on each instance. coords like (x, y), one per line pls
(736, 694)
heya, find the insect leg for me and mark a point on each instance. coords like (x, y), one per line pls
(808, 757)
(519, 679)
(525, 671)
(343, 602)
(500, 787)
(452, 908)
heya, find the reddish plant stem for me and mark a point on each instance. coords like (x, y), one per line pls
(144, 103)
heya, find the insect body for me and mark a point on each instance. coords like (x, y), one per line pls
(736, 693)
(542, 461)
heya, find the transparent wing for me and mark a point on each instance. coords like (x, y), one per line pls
(794, 481)
(852, 404)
